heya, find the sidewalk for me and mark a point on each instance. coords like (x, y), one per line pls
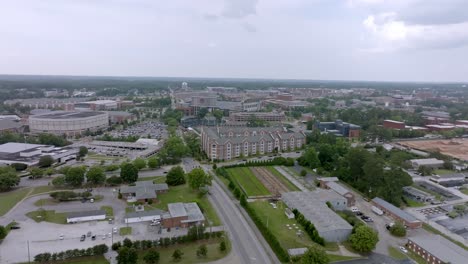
(291, 178)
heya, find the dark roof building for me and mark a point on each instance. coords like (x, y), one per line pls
(436, 249)
(397, 213)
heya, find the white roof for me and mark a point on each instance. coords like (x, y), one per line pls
(148, 141)
(427, 161)
(13, 147)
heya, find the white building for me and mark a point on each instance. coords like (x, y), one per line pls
(431, 163)
(30, 154)
(76, 217)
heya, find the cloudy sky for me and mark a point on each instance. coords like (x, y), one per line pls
(394, 40)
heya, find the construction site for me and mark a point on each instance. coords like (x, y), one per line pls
(456, 148)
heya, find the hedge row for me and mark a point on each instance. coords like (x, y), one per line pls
(97, 250)
(193, 235)
(309, 228)
(277, 161)
(280, 252)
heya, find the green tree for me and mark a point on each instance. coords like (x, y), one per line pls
(151, 257)
(364, 239)
(3, 232)
(139, 163)
(36, 173)
(310, 158)
(315, 255)
(222, 246)
(75, 176)
(129, 173)
(96, 175)
(8, 178)
(49, 171)
(202, 251)
(198, 178)
(127, 256)
(59, 181)
(153, 162)
(398, 229)
(83, 151)
(45, 161)
(175, 176)
(177, 255)
(202, 112)
(218, 114)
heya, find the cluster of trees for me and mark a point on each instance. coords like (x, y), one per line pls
(277, 161)
(3, 232)
(173, 150)
(8, 178)
(97, 250)
(193, 143)
(175, 176)
(309, 228)
(74, 177)
(315, 254)
(158, 102)
(398, 229)
(45, 138)
(363, 238)
(199, 180)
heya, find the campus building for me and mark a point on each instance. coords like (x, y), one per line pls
(264, 116)
(143, 191)
(182, 215)
(226, 143)
(69, 123)
(339, 128)
(435, 249)
(30, 154)
(396, 213)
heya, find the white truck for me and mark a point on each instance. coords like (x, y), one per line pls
(377, 211)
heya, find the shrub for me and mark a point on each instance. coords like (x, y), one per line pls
(398, 230)
(19, 166)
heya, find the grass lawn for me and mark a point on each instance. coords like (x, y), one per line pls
(83, 260)
(337, 258)
(416, 258)
(331, 246)
(184, 194)
(46, 201)
(283, 179)
(155, 179)
(277, 222)
(48, 216)
(190, 253)
(413, 203)
(244, 177)
(11, 198)
(443, 171)
(125, 231)
(465, 191)
(396, 253)
(42, 189)
(109, 210)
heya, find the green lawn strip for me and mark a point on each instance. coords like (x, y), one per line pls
(184, 194)
(46, 201)
(160, 179)
(250, 184)
(125, 231)
(413, 203)
(283, 179)
(332, 246)
(109, 210)
(443, 171)
(42, 189)
(48, 216)
(82, 260)
(337, 258)
(190, 253)
(11, 198)
(416, 257)
(396, 253)
(277, 222)
(437, 232)
(150, 178)
(464, 190)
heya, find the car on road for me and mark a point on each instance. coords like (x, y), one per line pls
(61, 237)
(403, 249)
(83, 238)
(366, 218)
(14, 227)
(114, 230)
(93, 237)
(109, 235)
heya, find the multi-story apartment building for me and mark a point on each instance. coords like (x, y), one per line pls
(226, 143)
(266, 116)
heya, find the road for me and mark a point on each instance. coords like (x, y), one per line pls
(247, 246)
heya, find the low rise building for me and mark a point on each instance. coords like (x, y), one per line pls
(396, 213)
(30, 154)
(313, 206)
(119, 117)
(226, 143)
(450, 180)
(435, 249)
(143, 191)
(85, 216)
(393, 124)
(339, 128)
(430, 163)
(182, 215)
(417, 195)
(144, 216)
(9, 125)
(336, 187)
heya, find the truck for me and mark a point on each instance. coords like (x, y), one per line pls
(377, 211)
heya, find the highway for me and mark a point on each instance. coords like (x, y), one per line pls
(247, 246)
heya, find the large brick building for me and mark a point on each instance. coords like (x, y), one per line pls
(182, 215)
(435, 249)
(396, 213)
(226, 143)
(339, 128)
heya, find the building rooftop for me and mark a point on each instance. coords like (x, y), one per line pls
(155, 212)
(191, 210)
(177, 209)
(395, 210)
(13, 147)
(313, 206)
(86, 213)
(441, 248)
(67, 114)
(337, 188)
(430, 161)
(144, 189)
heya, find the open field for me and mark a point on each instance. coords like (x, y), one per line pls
(456, 148)
(183, 193)
(11, 198)
(155, 179)
(245, 178)
(48, 216)
(277, 222)
(83, 260)
(109, 210)
(283, 179)
(272, 183)
(125, 231)
(190, 253)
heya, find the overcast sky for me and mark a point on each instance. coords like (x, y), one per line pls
(393, 40)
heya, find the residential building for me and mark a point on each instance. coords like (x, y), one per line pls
(435, 249)
(396, 213)
(339, 128)
(226, 143)
(143, 191)
(97, 105)
(182, 215)
(265, 116)
(313, 206)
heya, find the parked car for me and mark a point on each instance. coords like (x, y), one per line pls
(88, 234)
(15, 227)
(359, 214)
(403, 249)
(83, 238)
(61, 237)
(104, 237)
(354, 209)
(114, 230)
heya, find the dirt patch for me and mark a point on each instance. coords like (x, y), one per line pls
(456, 148)
(273, 184)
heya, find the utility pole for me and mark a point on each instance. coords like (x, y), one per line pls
(29, 255)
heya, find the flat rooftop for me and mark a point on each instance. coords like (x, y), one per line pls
(441, 248)
(67, 115)
(13, 147)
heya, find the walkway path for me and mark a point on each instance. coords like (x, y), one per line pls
(291, 178)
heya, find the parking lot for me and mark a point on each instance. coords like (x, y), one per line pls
(155, 130)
